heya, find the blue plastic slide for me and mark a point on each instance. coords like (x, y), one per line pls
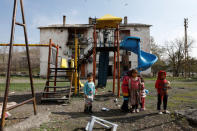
(145, 60)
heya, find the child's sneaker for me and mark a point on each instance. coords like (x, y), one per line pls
(137, 111)
(143, 109)
(132, 111)
(160, 113)
(166, 112)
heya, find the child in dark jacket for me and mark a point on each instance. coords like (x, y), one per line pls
(162, 86)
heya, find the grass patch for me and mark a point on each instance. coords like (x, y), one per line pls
(27, 87)
(22, 86)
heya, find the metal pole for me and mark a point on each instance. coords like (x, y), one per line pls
(78, 54)
(94, 55)
(56, 64)
(114, 73)
(8, 68)
(118, 60)
(49, 60)
(28, 57)
(76, 50)
(41, 45)
(186, 26)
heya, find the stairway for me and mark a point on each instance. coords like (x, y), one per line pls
(85, 57)
(58, 85)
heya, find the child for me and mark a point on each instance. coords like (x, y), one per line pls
(142, 93)
(162, 86)
(134, 90)
(89, 92)
(125, 93)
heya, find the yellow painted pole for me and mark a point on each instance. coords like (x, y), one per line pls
(76, 49)
(45, 45)
(78, 81)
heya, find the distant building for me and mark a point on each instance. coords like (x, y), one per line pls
(63, 35)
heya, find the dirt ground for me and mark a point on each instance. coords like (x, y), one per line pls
(71, 117)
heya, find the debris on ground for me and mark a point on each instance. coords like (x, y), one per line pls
(105, 109)
(189, 114)
(9, 104)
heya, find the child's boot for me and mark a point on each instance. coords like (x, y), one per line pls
(90, 109)
(86, 109)
(124, 106)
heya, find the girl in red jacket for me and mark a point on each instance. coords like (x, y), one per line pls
(162, 86)
(125, 93)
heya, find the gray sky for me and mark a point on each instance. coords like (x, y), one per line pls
(166, 16)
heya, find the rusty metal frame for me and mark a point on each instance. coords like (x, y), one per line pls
(30, 45)
(56, 66)
(116, 56)
(114, 72)
(94, 54)
(50, 45)
(33, 99)
(118, 60)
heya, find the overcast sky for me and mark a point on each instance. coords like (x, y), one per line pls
(166, 16)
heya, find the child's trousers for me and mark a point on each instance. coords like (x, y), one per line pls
(124, 106)
(142, 102)
(159, 101)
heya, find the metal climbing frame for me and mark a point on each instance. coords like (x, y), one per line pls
(116, 50)
(52, 45)
(33, 99)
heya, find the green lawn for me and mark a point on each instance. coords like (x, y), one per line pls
(182, 92)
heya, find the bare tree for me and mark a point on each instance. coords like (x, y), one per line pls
(159, 52)
(175, 51)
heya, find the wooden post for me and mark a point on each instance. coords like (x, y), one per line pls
(48, 69)
(94, 55)
(114, 72)
(186, 51)
(76, 53)
(56, 64)
(118, 60)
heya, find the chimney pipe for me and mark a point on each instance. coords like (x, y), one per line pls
(90, 20)
(125, 20)
(64, 20)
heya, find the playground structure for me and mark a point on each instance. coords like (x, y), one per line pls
(56, 72)
(103, 27)
(108, 28)
(145, 60)
(32, 99)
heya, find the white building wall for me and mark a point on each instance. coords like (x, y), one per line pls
(58, 36)
(144, 34)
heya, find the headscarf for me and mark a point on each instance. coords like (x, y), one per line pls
(159, 74)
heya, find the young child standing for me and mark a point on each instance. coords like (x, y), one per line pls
(125, 93)
(89, 92)
(134, 90)
(142, 93)
(162, 86)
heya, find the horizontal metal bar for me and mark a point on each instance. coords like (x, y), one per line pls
(20, 104)
(17, 23)
(97, 118)
(41, 45)
(106, 126)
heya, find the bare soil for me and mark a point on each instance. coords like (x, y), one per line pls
(71, 117)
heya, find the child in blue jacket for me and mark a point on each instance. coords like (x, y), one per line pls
(89, 92)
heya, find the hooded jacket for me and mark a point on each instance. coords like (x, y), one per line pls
(160, 83)
(125, 86)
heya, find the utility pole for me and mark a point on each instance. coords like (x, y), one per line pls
(186, 46)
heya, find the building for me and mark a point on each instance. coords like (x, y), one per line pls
(63, 35)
